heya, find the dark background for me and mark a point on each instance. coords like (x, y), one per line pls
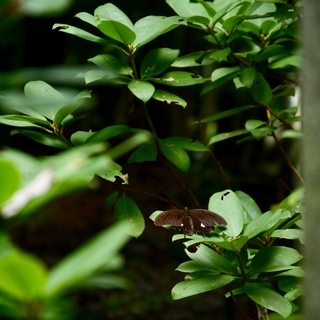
(31, 50)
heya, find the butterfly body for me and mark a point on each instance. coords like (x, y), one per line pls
(190, 221)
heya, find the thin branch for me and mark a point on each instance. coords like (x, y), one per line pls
(286, 158)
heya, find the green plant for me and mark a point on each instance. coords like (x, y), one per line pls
(253, 47)
(244, 256)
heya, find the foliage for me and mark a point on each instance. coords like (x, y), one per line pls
(250, 45)
(243, 256)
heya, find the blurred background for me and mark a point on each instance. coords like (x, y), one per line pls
(31, 50)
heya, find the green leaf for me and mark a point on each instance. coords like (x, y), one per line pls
(112, 64)
(270, 51)
(79, 33)
(223, 75)
(143, 90)
(290, 234)
(194, 59)
(151, 27)
(179, 79)
(212, 260)
(115, 24)
(45, 99)
(252, 209)
(22, 275)
(44, 138)
(274, 258)
(226, 114)
(108, 133)
(286, 61)
(228, 205)
(23, 121)
(260, 90)
(187, 9)
(192, 287)
(175, 154)
(168, 98)
(220, 55)
(10, 178)
(70, 107)
(266, 222)
(227, 135)
(146, 152)
(158, 60)
(189, 266)
(247, 77)
(80, 137)
(92, 256)
(126, 210)
(268, 298)
(187, 144)
(106, 77)
(233, 245)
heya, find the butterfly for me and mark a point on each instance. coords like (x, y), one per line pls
(190, 221)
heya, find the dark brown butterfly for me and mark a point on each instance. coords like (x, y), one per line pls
(190, 221)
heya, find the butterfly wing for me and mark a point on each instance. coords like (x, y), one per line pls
(205, 220)
(172, 217)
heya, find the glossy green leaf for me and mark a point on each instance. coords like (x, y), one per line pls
(247, 77)
(23, 121)
(189, 266)
(265, 222)
(80, 137)
(10, 179)
(187, 144)
(88, 18)
(79, 33)
(187, 9)
(158, 60)
(44, 138)
(126, 210)
(22, 276)
(268, 298)
(106, 77)
(168, 98)
(228, 205)
(227, 135)
(290, 234)
(115, 24)
(220, 55)
(89, 258)
(146, 152)
(212, 260)
(151, 27)
(270, 51)
(286, 61)
(192, 287)
(260, 90)
(225, 114)
(112, 64)
(70, 107)
(252, 209)
(233, 245)
(258, 10)
(137, 139)
(222, 75)
(175, 154)
(193, 60)
(143, 90)
(179, 79)
(274, 258)
(108, 133)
